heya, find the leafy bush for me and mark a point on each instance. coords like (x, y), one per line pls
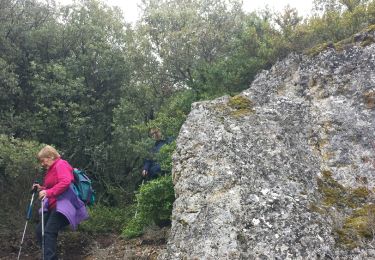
(134, 227)
(154, 206)
(105, 219)
(18, 170)
(18, 157)
(172, 114)
(164, 157)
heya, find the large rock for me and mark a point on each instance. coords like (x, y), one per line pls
(286, 169)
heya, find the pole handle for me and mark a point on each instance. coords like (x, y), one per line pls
(35, 188)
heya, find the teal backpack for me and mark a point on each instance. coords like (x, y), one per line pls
(82, 187)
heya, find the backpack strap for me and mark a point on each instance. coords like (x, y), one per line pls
(88, 199)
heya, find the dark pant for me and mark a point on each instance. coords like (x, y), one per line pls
(53, 223)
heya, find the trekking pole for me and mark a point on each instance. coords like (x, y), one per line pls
(42, 201)
(28, 217)
(136, 210)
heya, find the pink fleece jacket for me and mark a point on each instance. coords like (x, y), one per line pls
(57, 180)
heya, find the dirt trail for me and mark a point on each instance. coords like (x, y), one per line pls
(80, 246)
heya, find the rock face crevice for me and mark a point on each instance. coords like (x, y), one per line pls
(247, 168)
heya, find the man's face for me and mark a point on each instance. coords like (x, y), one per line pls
(155, 134)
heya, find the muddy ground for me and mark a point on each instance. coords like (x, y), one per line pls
(79, 245)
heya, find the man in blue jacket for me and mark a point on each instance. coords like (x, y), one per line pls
(151, 168)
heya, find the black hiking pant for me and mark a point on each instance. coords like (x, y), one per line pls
(53, 223)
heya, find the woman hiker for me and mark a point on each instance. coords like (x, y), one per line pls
(61, 205)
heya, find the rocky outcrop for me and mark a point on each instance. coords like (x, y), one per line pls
(285, 170)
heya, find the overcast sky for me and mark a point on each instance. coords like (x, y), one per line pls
(131, 11)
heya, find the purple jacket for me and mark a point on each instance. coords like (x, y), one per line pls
(70, 206)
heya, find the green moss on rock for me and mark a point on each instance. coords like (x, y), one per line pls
(240, 102)
(343, 44)
(334, 194)
(241, 106)
(360, 193)
(319, 48)
(359, 224)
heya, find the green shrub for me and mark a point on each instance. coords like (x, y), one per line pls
(154, 206)
(172, 114)
(18, 170)
(164, 157)
(18, 157)
(105, 219)
(134, 227)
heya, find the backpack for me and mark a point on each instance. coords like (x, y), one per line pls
(82, 187)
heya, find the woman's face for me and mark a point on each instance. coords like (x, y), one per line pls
(46, 162)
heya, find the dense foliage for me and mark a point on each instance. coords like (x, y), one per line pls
(154, 206)
(104, 219)
(18, 170)
(80, 78)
